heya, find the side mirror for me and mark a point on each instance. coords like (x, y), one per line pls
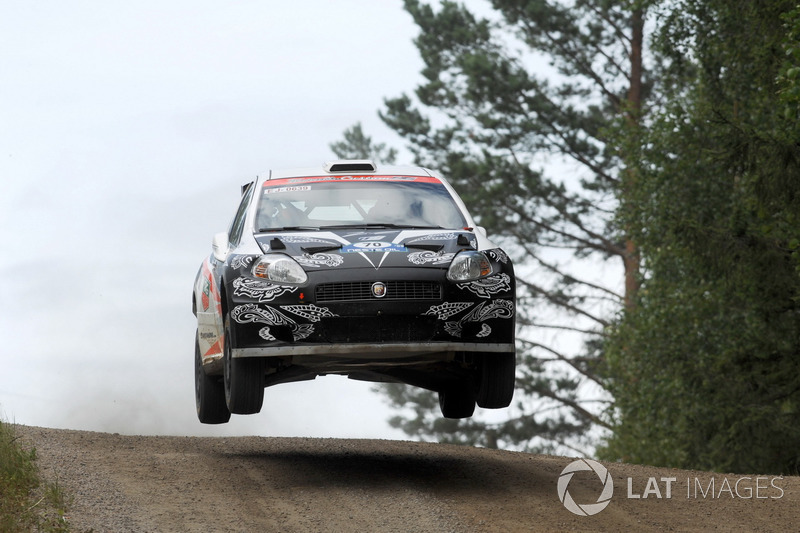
(219, 246)
(482, 231)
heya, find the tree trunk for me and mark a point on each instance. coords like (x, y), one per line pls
(631, 258)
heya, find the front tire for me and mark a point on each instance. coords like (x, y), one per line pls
(457, 401)
(496, 380)
(209, 393)
(243, 378)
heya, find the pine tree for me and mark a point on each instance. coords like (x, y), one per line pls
(357, 145)
(522, 110)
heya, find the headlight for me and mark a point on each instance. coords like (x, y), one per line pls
(279, 268)
(468, 266)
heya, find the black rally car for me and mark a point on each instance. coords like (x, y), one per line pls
(377, 273)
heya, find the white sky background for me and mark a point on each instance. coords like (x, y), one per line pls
(126, 129)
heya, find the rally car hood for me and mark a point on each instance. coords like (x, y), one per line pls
(376, 248)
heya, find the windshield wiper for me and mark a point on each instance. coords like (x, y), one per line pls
(289, 228)
(380, 225)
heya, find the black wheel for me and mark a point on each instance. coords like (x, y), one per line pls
(457, 401)
(243, 378)
(209, 393)
(496, 376)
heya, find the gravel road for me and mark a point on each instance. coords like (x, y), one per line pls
(186, 484)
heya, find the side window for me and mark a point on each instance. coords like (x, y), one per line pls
(235, 234)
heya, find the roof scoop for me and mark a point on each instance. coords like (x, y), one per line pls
(350, 165)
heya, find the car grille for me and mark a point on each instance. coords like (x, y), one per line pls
(375, 329)
(362, 290)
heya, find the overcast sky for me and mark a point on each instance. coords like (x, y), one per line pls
(126, 129)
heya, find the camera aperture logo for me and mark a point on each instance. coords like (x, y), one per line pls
(586, 509)
(706, 487)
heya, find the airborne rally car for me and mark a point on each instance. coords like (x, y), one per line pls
(377, 273)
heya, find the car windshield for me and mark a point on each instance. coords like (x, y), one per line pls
(306, 203)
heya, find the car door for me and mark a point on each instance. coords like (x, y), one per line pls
(207, 290)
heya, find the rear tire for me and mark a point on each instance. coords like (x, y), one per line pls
(243, 378)
(496, 380)
(209, 393)
(457, 402)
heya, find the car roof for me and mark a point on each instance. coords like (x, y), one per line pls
(350, 167)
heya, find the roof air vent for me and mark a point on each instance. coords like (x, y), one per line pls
(353, 165)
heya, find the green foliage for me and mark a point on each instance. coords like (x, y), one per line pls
(688, 161)
(18, 478)
(25, 504)
(789, 77)
(706, 368)
(707, 380)
(357, 145)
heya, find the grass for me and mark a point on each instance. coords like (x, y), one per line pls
(27, 503)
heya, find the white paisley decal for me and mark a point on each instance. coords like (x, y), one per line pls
(485, 331)
(487, 310)
(498, 255)
(319, 259)
(435, 258)
(486, 287)
(483, 311)
(301, 331)
(447, 309)
(453, 328)
(309, 312)
(263, 291)
(435, 237)
(265, 334)
(241, 261)
(244, 314)
(247, 313)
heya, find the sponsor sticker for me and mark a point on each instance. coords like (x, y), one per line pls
(288, 189)
(374, 246)
(354, 178)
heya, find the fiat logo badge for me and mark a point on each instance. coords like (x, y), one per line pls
(379, 289)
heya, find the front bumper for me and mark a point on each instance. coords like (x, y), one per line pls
(273, 321)
(418, 350)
